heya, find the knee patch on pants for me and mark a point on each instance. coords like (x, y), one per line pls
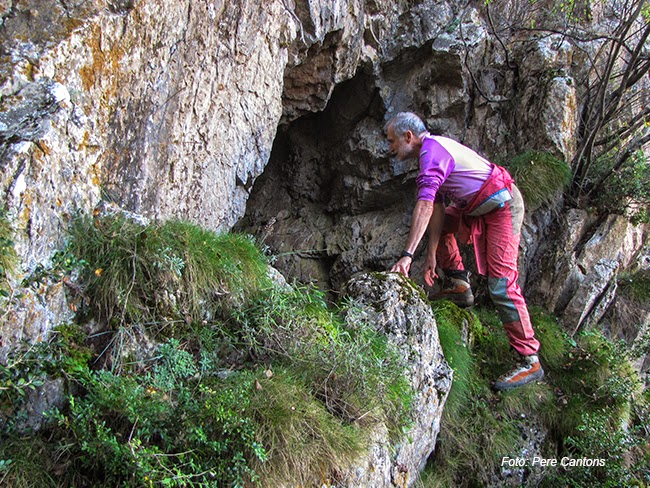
(498, 288)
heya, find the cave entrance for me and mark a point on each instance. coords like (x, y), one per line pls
(320, 206)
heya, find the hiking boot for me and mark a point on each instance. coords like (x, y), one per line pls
(455, 288)
(528, 370)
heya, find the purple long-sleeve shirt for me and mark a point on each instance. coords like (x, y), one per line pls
(451, 169)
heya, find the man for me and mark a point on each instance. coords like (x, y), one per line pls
(488, 207)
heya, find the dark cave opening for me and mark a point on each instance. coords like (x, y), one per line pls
(320, 206)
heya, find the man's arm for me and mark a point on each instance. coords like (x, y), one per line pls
(435, 229)
(419, 223)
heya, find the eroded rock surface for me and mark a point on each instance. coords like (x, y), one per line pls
(400, 310)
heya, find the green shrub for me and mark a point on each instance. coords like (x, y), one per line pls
(167, 426)
(539, 176)
(227, 379)
(627, 190)
(601, 436)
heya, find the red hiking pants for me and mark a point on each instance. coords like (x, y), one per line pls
(502, 228)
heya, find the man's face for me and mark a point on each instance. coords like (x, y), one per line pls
(403, 147)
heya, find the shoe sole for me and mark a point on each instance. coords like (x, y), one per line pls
(535, 377)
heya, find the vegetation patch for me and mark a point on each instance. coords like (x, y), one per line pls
(8, 257)
(540, 176)
(591, 405)
(626, 186)
(635, 287)
(188, 367)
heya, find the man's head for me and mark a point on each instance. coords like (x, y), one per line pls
(404, 133)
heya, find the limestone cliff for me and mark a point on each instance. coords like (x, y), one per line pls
(269, 116)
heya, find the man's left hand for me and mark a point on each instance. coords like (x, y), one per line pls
(430, 270)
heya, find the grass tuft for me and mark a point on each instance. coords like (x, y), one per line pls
(164, 274)
(539, 176)
(8, 256)
(301, 436)
(451, 320)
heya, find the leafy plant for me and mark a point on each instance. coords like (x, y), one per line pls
(163, 426)
(21, 372)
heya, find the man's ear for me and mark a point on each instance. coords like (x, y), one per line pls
(408, 136)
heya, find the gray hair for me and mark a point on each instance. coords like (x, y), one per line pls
(405, 121)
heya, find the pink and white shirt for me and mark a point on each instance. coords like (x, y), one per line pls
(448, 168)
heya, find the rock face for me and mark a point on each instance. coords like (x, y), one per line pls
(577, 280)
(402, 312)
(269, 116)
(168, 109)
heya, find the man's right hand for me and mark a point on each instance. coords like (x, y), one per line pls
(403, 266)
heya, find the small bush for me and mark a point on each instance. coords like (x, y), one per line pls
(539, 176)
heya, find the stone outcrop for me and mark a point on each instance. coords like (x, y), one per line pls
(577, 280)
(172, 109)
(402, 312)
